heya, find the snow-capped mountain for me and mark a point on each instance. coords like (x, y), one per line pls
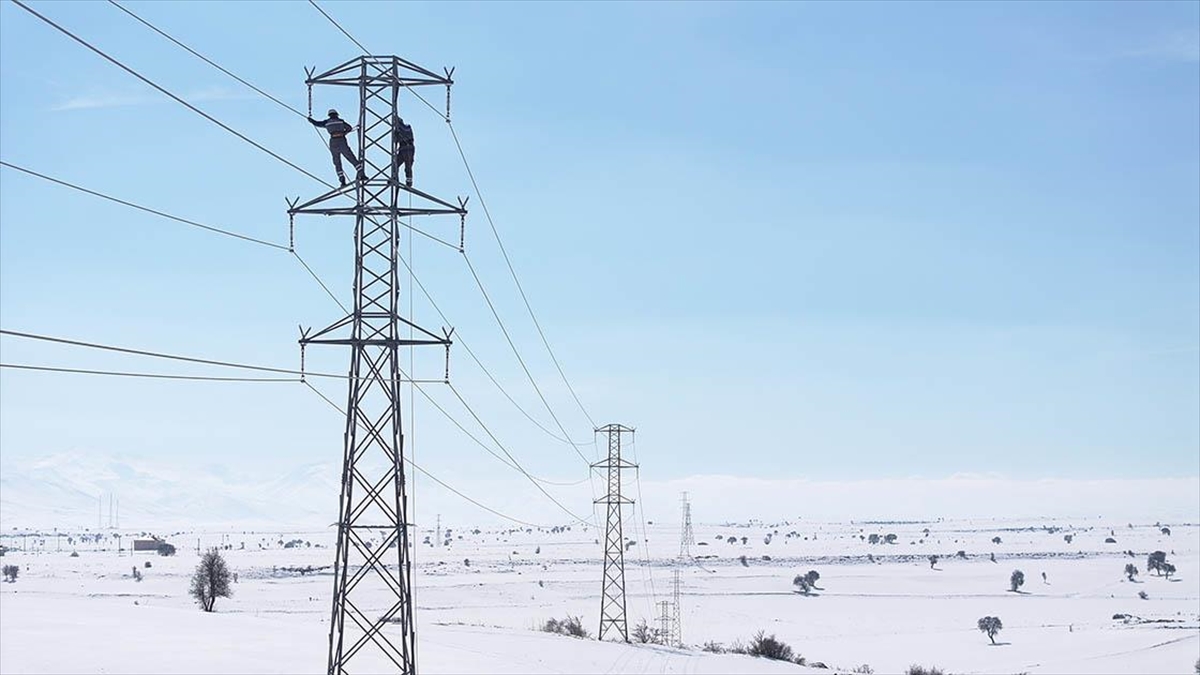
(73, 490)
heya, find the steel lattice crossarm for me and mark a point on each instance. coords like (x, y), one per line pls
(384, 69)
(376, 192)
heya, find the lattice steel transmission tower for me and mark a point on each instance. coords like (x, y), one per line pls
(676, 626)
(687, 538)
(372, 587)
(664, 621)
(612, 597)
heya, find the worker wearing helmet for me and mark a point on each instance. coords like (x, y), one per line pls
(405, 149)
(338, 146)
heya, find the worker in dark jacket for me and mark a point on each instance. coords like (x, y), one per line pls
(338, 146)
(404, 148)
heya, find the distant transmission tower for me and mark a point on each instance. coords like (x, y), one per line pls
(664, 621)
(687, 538)
(372, 573)
(612, 598)
(676, 626)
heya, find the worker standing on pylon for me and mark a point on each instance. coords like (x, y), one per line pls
(338, 146)
(402, 137)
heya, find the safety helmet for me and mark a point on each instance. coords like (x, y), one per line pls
(333, 113)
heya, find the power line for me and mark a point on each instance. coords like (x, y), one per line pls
(318, 280)
(339, 26)
(509, 455)
(229, 364)
(524, 367)
(210, 62)
(462, 343)
(147, 209)
(431, 476)
(178, 99)
(175, 357)
(157, 376)
(513, 272)
(202, 57)
(255, 379)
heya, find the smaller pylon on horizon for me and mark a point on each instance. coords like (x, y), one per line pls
(676, 639)
(687, 538)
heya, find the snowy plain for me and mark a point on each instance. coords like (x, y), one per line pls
(480, 599)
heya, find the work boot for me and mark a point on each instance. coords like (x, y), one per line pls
(342, 180)
(408, 182)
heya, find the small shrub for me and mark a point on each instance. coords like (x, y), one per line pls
(10, 573)
(147, 565)
(1168, 569)
(922, 670)
(933, 560)
(801, 582)
(961, 554)
(74, 554)
(166, 549)
(1131, 571)
(1017, 580)
(642, 633)
(890, 539)
(572, 625)
(1109, 540)
(990, 625)
(466, 562)
(864, 669)
(1155, 561)
(137, 574)
(873, 539)
(742, 559)
(1068, 537)
(1143, 595)
(713, 647)
(995, 540)
(768, 647)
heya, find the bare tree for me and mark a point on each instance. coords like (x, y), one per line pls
(1131, 571)
(211, 580)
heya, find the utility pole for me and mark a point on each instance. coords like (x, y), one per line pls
(612, 597)
(372, 584)
(676, 627)
(687, 538)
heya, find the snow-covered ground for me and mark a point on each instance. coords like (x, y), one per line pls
(87, 614)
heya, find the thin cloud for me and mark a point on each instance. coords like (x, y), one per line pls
(1179, 46)
(99, 100)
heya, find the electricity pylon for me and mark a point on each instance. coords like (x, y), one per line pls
(612, 597)
(372, 573)
(687, 538)
(664, 622)
(676, 627)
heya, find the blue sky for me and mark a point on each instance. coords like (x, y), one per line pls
(794, 240)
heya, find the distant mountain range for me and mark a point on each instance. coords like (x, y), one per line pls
(66, 489)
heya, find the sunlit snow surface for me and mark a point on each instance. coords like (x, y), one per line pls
(87, 614)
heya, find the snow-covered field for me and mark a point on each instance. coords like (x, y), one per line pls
(87, 614)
